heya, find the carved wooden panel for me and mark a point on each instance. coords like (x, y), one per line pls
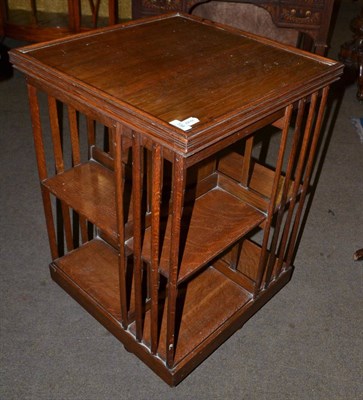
(301, 12)
(161, 5)
(300, 15)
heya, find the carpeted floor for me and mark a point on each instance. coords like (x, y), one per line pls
(306, 343)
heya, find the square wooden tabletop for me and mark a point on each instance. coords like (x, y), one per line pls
(173, 67)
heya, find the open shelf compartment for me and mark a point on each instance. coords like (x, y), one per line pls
(260, 185)
(206, 302)
(93, 267)
(89, 189)
(214, 222)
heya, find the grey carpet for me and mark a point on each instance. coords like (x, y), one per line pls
(306, 343)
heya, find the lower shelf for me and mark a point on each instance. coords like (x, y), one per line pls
(207, 303)
(213, 307)
(94, 269)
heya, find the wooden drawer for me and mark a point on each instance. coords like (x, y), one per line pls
(301, 12)
(306, 15)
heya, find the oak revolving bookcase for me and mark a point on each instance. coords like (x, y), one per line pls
(163, 221)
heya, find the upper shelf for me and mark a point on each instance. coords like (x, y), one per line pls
(260, 185)
(90, 190)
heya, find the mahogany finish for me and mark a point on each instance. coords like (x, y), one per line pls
(173, 239)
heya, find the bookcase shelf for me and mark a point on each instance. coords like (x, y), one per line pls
(208, 302)
(89, 189)
(205, 237)
(93, 268)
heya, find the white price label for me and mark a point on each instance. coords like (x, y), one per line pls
(186, 124)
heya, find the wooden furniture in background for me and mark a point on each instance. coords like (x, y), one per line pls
(351, 53)
(178, 239)
(311, 18)
(37, 26)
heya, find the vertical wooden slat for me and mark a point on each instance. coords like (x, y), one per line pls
(59, 165)
(246, 167)
(235, 255)
(272, 203)
(245, 180)
(91, 138)
(309, 169)
(76, 160)
(91, 134)
(155, 243)
(136, 201)
(73, 126)
(285, 191)
(111, 133)
(297, 182)
(177, 209)
(42, 167)
(56, 135)
(149, 178)
(119, 185)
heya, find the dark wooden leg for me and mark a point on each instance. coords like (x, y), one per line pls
(5, 66)
(351, 53)
(6, 70)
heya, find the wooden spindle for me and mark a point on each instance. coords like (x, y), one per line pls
(119, 193)
(149, 178)
(56, 134)
(91, 134)
(136, 201)
(235, 255)
(111, 133)
(177, 210)
(246, 167)
(73, 127)
(76, 160)
(155, 243)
